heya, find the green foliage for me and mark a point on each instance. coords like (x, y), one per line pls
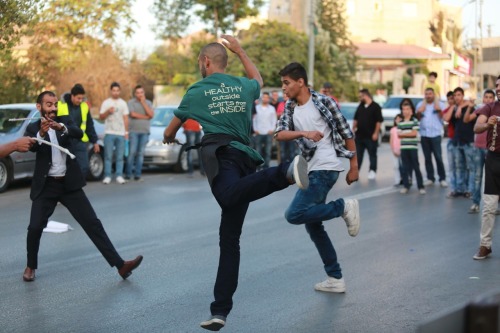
(335, 59)
(184, 80)
(14, 17)
(271, 46)
(173, 17)
(16, 84)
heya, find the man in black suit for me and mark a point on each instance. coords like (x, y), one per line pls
(57, 178)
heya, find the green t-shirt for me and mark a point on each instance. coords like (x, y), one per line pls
(222, 104)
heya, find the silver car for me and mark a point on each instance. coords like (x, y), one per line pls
(17, 165)
(166, 155)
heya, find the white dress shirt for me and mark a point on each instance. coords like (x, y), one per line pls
(265, 119)
(58, 166)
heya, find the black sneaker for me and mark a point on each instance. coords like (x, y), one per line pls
(214, 323)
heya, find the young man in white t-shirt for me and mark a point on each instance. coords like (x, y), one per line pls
(114, 111)
(319, 128)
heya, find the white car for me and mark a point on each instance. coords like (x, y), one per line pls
(391, 109)
(166, 155)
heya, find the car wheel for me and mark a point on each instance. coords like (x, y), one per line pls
(5, 174)
(182, 164)
(96, 166)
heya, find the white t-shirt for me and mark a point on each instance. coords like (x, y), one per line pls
(114, 123)
(307, 118)
(265, 119)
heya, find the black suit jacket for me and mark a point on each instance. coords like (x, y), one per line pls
(73, 179)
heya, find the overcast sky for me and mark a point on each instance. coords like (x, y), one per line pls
(144, 40)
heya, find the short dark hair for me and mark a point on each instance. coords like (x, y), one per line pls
(407, 101)
(433, 74)
(295, 71)
(429, 89)
(114, 84)
(77, 90)
(449, 93)
(366, 92)
(489, 91)
(215, 52)
(265, 93)
(138, 87)
(458, 89)
(39, 99)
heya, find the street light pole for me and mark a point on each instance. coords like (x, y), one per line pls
(310, 55)
(480, 60)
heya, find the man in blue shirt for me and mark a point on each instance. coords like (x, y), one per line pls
(429, 112)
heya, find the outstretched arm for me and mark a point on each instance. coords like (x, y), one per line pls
(22, 144)
(234, 46)
(171, 130)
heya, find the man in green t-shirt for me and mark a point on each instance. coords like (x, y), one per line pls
(222, 104)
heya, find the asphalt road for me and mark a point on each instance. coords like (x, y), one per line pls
(411, 261)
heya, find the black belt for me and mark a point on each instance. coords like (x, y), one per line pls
(56, 178)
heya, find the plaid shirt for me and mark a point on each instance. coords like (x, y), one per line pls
(331, 114)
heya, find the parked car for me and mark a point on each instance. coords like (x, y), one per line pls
(348, 109)
(391, 109)
(166, 155)
(17, 165)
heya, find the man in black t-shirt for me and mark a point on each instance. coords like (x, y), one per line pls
(367, 121)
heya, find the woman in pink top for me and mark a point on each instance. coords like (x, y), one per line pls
(395, 143)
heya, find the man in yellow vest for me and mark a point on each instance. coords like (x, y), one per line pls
(73, 105)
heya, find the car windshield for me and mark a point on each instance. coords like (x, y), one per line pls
(348, 110)
(162, 116)
(7, 126)
(393, 102)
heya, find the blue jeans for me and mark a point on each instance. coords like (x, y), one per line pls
(263, 145)
(452, 169)
(464, 161)
(236, 185)
(113, 143)
(193, 138)
(432, 146)
(135, 157)
(288, 150)
(309, 207)
(479, 158)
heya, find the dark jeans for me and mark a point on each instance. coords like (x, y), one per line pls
(193, 138)
(288, 150)
(80, 208)
(309, 207)
(410, 164)
(135, 158)
(263, 145)
(236, 185)
(371, 146)
(432, 146)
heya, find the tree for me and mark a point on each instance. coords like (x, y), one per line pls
(174, 16)
(335, 53)
(271, 46)
(14, 15)
(436, 27)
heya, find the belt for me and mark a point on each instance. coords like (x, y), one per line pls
(56, 178)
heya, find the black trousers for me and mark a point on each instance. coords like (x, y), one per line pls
(80, 208)
(369, 145)
(236, 185)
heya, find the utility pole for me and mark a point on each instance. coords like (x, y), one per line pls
(310, 55)
(481, 81)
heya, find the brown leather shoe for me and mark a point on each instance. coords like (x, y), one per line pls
(482, 253)
(29, 275)
(129, 266)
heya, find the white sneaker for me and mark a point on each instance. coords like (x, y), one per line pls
(214, 323)
(351, 216)
(372, 175)
(297, 172)
(106, 180)
(120, 180)
(421, 191)
(404, 190)
(443, 183)
(428, 182)
(331, 285)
